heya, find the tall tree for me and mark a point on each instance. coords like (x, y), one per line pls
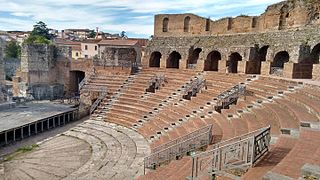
(39, 35)
(41, 29)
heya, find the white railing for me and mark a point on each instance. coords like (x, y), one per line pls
(97, 102)
(179, 147)
(242, 151)
(82, 83)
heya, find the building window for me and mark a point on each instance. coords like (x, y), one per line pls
(86, 56)
(165, 24)
(77, 54)
(254, 22)
(208, 24)
(186, 24)
(86, 47)
(96, 48)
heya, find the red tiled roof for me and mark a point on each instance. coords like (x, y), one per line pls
(118, 42)
(91, 41)
(76, 48)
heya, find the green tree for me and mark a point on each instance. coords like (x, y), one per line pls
(40, 29)
(123, 34)
(39, 35)
(92, 34)
(12, 50)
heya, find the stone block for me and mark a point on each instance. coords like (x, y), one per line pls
(309, 170)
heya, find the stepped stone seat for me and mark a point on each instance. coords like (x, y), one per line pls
(313, 104)
(306, 150)
(301, 112)
(276, 154)
(285, 117)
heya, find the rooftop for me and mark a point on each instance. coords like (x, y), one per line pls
(118, 42)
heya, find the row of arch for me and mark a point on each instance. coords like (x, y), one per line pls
(186, 24)
(211, 62)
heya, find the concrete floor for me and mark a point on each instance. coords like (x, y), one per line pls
(31, 112)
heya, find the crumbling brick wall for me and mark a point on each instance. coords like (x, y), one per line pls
(290, 14)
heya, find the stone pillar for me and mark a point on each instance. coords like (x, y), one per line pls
(183, 63)
(139, 55)
(14, 134)
(6, 137)
(222, 68)
(265, 68)
(242, 66)
(163, 61)
(288, 70)
(116, 57)
(316, 72)
(200, 65)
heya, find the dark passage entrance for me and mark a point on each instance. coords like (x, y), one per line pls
(278, 62)
(155, 59)
(212, 61)
(254, 66)
(75, 78)
(193, 58)
(173, 60)
(233, 62)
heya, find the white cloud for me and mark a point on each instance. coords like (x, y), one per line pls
(132, 16)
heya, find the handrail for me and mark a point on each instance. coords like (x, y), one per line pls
(183, 138)
(228, 95)
(171, 152)
(240, 151)
(195, 86)
(97, 102)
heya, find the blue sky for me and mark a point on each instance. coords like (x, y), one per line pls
(133, 16)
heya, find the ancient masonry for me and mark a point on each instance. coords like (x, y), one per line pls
(2, 74)
(38, 75)
(284, 40)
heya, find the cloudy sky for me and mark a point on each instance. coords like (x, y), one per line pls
(133, 16)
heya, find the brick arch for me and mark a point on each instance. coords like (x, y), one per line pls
(186, 24)
(154, 60)
(212, 61)
(232, 63)
(194, 55)
(315, 53)
(173, 60)
(278, 62)
(253, 66)
(165, 24)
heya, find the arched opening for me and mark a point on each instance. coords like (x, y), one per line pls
(186, 24)
(315, 53)
(233, 62)
(155, 59)
(193, 58)
(212, 61)
(208, 24)
(165, 25)
(254, 66)
(278, 62)
(173, 60)
(284, 15)
(75, 78)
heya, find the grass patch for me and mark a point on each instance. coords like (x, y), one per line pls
(21, 150)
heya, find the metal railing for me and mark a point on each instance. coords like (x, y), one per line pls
(194, 87)
(230, 96)
(178, 147)
(82, 83)
(97, 102)
(156, 82)
(238, 152)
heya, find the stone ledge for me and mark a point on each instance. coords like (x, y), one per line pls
(275, 176)
(310, 170)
